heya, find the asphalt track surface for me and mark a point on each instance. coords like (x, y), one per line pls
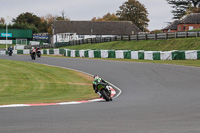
(155, 98)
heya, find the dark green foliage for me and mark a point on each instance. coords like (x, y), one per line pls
(28, 18)
(183, 7)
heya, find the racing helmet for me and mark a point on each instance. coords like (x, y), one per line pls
(96, 77)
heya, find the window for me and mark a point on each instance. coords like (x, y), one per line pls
(191, 27)
(81, 36)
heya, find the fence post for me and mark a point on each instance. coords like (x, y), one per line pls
(197, 34)
(175, 35)
(186, 34)
(137, 37)
(121, 38)
(166, 36)
(155, 36)
(145, 36)
(83, 42)
(129, 37)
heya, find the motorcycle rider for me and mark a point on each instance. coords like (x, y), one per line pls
(10, 48)
(98, 80)
(32, 50)
(38, 48)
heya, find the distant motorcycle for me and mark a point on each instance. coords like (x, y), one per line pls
(105, 91)
(38, 52)
(33, 55)
(10, 52)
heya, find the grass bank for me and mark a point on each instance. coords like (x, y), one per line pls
(23, 82)
(148, 45)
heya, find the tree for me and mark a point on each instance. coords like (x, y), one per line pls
(24, 26)
(134, 11)
(107, 17)
(183, 7)
(28, 18)
(2, 20)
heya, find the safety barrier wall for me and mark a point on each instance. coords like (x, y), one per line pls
(119, 54)
(128, 54)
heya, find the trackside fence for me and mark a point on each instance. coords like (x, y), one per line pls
(136, 37)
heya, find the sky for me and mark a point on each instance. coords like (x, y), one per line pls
(159, 10)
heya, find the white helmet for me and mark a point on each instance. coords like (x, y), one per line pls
(96, 77)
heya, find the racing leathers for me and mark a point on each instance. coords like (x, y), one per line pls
(96, 82)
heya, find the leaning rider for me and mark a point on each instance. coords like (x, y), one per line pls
(10, 48)
(96, 82)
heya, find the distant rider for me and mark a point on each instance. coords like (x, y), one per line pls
(96, 82)
(32, 50)
(10, 48)
(38, 48)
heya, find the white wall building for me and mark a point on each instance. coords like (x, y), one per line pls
(65, 31)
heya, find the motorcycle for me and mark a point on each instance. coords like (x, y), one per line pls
(105, 91)
(38, 53)
(10, 52)
(33, 55)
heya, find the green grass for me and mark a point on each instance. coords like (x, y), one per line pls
(23, 82)
(148, 45)
(3, 46)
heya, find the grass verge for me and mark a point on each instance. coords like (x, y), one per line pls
(23, 82)
(3, 46)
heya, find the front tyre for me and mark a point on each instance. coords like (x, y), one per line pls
(105, 96)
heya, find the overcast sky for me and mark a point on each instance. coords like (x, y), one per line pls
(159, 11)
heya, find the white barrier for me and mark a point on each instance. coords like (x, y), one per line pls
(47, 51)
(104, 53)
(73, 54)
(191, 55)
(134, 54)
(91, 53)
(4, 42)
(82, 53)
(2, 52)
(166, 55)
(56, 51)
(119, 54)
(27, 51)
(148, 55)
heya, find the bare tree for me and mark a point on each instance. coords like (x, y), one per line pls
(2, 20)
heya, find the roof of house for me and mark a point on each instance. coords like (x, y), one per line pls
(173, 25)
(95, 28)
(193, 18)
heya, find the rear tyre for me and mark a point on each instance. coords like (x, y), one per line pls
(39, 55)
(105, 96)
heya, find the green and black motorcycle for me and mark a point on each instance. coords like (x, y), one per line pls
(105, 91)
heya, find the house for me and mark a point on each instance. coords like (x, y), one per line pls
(65, 31)
(172, 27)
(190, 22)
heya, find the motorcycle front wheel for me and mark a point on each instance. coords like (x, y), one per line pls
(105, 96)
